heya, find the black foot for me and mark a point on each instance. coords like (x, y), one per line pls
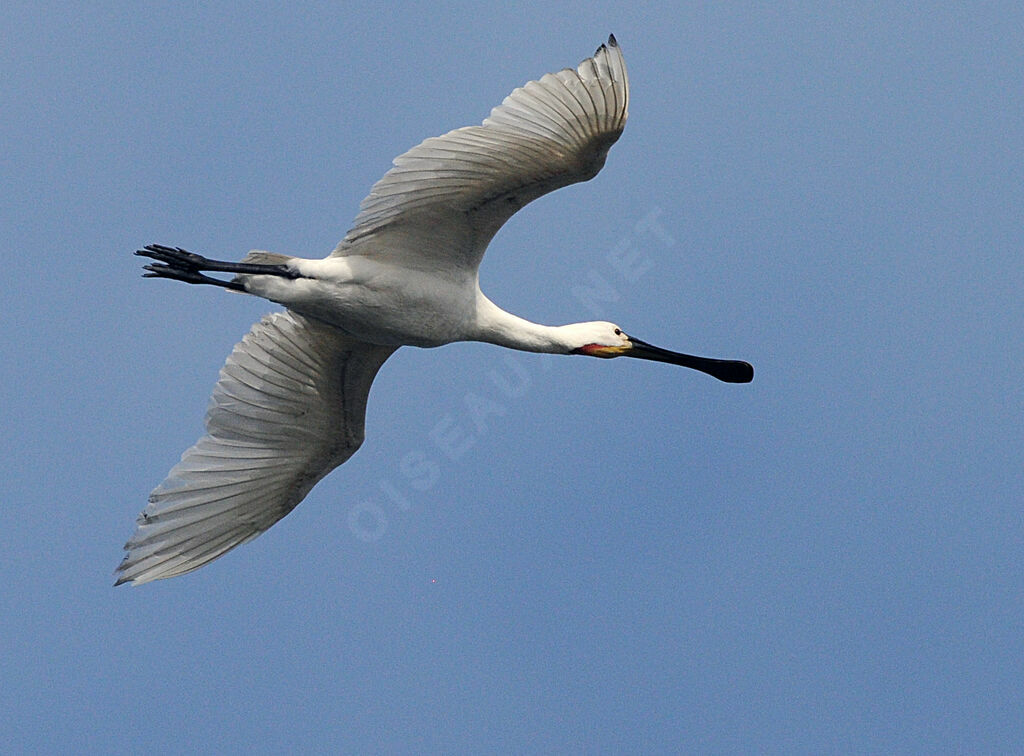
(175, 256)
(180, 265)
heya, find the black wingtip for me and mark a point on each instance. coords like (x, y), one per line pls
(121, 579)
(612, 43)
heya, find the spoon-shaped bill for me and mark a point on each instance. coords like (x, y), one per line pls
(730, 371)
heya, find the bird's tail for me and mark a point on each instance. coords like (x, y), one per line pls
(259, 257)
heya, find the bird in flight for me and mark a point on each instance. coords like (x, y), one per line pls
(290, 402)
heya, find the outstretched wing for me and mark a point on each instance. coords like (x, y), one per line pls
(446, 198)
(289, 407)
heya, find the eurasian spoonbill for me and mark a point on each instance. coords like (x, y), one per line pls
(290, 402)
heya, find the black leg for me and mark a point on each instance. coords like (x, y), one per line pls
(177, 264)
(159, 270)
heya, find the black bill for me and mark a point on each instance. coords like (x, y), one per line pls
(730, 371)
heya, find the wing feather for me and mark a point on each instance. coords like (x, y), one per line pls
(288, 408)
(448, 196)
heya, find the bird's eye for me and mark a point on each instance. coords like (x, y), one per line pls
(618, 331)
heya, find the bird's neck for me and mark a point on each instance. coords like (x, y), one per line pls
(495, 326)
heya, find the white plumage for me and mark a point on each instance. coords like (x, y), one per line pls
(288, 408)
(290, 403)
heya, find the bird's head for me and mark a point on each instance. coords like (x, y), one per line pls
(597, 339)
(602, 339)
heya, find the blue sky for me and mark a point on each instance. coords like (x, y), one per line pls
(532, 553)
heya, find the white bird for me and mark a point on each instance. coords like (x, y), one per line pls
(290, 402)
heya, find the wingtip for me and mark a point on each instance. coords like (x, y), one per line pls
(611, 43)
(121, 572)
